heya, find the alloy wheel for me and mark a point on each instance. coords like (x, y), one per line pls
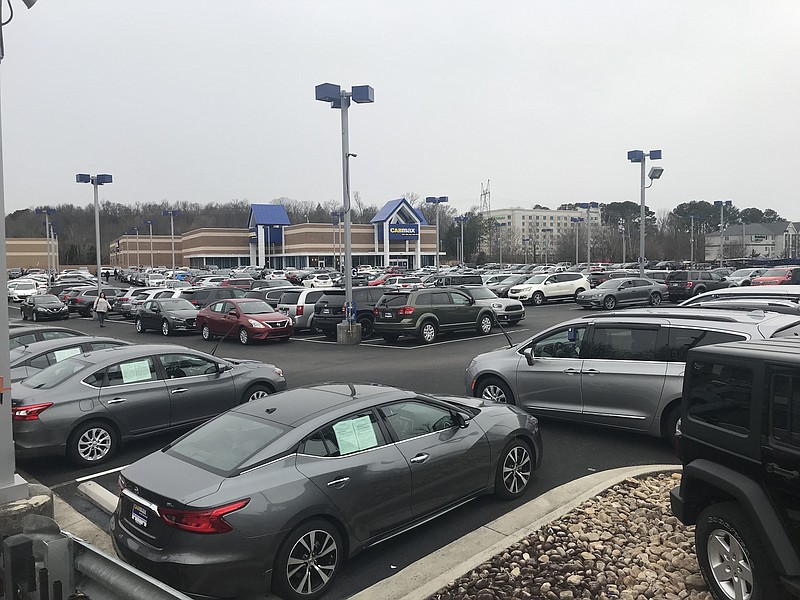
(730, 565)
(312, 562)
(494, 393)
(517, 469)
(94, 444)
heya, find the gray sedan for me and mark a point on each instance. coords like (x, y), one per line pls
(29, 359)
(627, 291)
(88, 404)
(286, 488)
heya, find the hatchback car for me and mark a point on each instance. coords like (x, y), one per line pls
(553, 286)
(280, 492)
(316, 280)
(30, 359)
(247, 319)
(88, 404)
(43, 307)
(623, 292)
(427, 313)
(505, 310)
(618, 369)
(166, 315)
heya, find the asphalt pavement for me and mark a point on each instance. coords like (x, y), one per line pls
(571, 451)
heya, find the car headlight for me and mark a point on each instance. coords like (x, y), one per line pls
(278, 371)
(531, 423)
(256, 324)
(496, 305)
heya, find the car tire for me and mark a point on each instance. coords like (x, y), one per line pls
(514, 470)
(485, 324)
(92, 443)
(206, 333)
(391, 337)
(140, 326)
(495, 389)
(655, 299)
(367, 327)
(609, 302)
(330, 334)
(538, 299)
(670, 422)
(428, 332)
(698, 290)
(578, 291)
(303, 582)
(244, 336)
(725, 536)
(255, 392)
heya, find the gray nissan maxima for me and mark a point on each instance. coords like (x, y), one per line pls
(278, 492)
(88, 404)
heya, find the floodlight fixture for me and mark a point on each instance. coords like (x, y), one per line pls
(655, 172)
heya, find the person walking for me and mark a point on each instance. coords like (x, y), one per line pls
(101, 307)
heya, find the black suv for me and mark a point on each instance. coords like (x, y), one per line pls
(427, 312)
(329, 309)
(202, 297)
(685, 284)
(740, 446)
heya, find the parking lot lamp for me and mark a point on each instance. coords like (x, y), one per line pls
(96, 181)
(152, 260)
(588, 206)
(461, 221)
(722, 204)
(47, 211)
(545, 231)
(576, 220)
(138, 257)
(340, 98)
(437, 202)
(525, 242)
(172, 214)
(640, 156)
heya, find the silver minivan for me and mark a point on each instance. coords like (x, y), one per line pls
(619, 369)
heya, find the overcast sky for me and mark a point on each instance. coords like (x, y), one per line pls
(200, 101)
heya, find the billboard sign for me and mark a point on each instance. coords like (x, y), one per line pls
(406, 231)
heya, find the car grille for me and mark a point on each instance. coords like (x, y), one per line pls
(190, 322)
(277, 324)
(517, 308)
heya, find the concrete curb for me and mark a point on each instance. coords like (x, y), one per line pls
(99, 496)
(431, 573)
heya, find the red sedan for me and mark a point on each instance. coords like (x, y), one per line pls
(246, 318)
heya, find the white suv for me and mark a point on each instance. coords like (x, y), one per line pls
(549, 286)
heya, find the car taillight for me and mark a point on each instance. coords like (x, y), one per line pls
(375, 311)
(406, 310)
(689, 284)
(299, 312)
(30, 412)
(124, 299)
(208, 520)
(195, 302)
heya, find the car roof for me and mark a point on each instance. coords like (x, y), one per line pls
(18, 331)
(48, 345)
(324, 402)
(773, 350)
(135, 350)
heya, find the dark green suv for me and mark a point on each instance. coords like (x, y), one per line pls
(426, 313)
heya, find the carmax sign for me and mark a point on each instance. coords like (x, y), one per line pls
(404, 232)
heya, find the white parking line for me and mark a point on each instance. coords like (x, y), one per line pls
(376, 343)
(100, 474)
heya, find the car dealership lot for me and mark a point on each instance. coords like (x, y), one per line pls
(570, 450)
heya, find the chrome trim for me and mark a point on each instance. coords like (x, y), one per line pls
(346, 455)
(616, 415)
(423, 435)
(140, 500)
(266, 464)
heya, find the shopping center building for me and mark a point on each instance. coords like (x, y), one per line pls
(398, 235)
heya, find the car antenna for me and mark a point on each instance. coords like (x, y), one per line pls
(222, 337)
(505, 333)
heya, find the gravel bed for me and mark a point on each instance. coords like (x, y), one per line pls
(622, 544)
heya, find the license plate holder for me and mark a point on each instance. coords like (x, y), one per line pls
(387, 315)
(139, 515)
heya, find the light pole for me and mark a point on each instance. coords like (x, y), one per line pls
(172, 214)
(577, 220)
(498, 228)
(152, 260)
(437, 202)
(545, 231)
(138, 257)
(525, 242)
(722, 204)
(621, 223)
(640, 156)
(47, 211)
(588, 206)
(461, 221)
(96, 181)
(337, 248)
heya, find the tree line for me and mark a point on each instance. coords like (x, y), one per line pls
(668, 234)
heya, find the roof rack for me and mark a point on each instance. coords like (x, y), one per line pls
(687, 316)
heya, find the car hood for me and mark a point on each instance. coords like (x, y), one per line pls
(52, 305)
(184, 313)
(172, 478)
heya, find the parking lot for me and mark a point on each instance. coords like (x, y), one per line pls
(570, 450)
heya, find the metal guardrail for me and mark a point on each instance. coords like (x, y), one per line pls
(44, 563)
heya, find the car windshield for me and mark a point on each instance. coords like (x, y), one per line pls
(46, 299)
(774, 273)
(482, 294)
(741, 273)
(177, 304)
(609, 284)
(510, 280)
(226, 442)
(256, 307)
(537, 279)
(55, 374)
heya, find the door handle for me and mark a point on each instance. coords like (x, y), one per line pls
(116, 400)
(338, 483)
(179, 390)
(591, 371)
(571, 371)
(785, 473)
(419, 459)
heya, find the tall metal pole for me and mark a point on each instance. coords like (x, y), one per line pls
(152, 260)
(348, 259)
(437, 238)
(269, 247)
(721, 231)
(641, 220)
(172, 235)
(691, 242)
(588, 236)
(138, 256)
(577, 231)
(97, 232)
(47, 236)
(463, 258)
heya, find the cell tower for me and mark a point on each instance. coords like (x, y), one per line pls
(486, 202)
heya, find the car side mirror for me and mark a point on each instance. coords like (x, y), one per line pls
(233, 313)
(223, 368)
(156, 309)
(460, 420)
(529, 357)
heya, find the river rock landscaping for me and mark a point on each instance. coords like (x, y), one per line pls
(622, 544)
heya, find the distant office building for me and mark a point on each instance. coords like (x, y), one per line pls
(758, 240)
